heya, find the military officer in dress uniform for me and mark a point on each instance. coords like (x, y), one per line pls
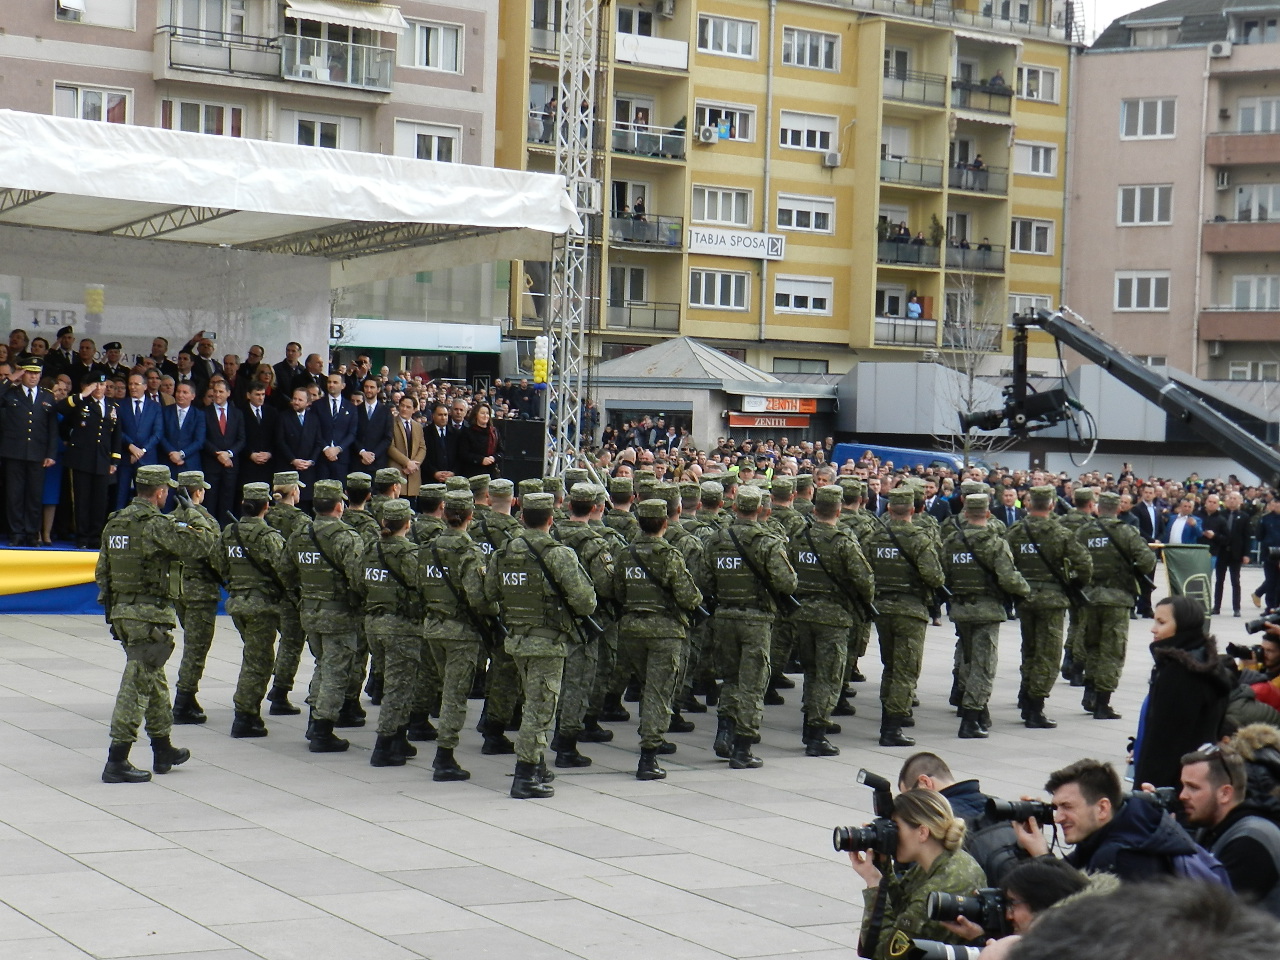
(92, 455)
(28, 443)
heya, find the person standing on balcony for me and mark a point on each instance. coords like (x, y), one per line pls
(914, 308)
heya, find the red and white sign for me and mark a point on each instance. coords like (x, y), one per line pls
(779, 405)
(767, 421)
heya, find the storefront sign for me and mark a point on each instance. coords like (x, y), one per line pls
(415, 335)
(736, 243)
(779, 405)
(768, 421)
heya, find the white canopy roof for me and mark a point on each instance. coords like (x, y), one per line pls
(372, 16)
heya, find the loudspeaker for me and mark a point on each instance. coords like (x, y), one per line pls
(522, 446)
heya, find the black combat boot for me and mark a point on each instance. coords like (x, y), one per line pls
(186, 709)
(350, 715)
(373, 687)
(816, 743)
(742, 758)
(723, 745)
(592, 732)
(119, 769)
(405, 747)
(1022, 700)
(831, 727)
(984, 717)
(420, 728)
(526, 785)
(495, 740)
(855, 675)
(712, 695)
(280, 705)
(614, 711)
(772, 698)
(1102, 707)
(782, 681)
(891, 734)
(1068, 665)
(971, 727)
(1034, 716)
(567, 754)
(666, 748)
(957, 695)
(691, 704)
(1090, 698)
(445, 767)
(648, 768)
(248, 725)
(165, 756)
(386, 752)
(545, 775)
(843, 707)
(679, 724)
(323, 740)
(632, 693)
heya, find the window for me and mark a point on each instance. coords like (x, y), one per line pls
(91, 103)
(321, 130)
(734, 122)
(1258, 201)
(1248, 370)
(427, 141)
(196, 117)
(798, 365)
(1149, 37)
(891, 301)
(1038, 83)
(1146, 119)
(1031, 236)
(102, 13)
(806, 131)
(210, 16)
(897, 61)
(802, 295)
(718, 290)
(1257, 31)
(814, 214)
(1142, 289)
(1151, 360)
(729, 38)
(808, 48)
(1258, 114)
(1021, 304)
(635, 21)
(1146, 205)
(722, 205)
(437, 46)
(1256, 292)
(1035, 159)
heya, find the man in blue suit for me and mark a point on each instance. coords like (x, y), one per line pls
(141, 430)
(223, 445)
(298, 440)
(338, 424)
(1182, 526)
(183, 439)
(373, 437)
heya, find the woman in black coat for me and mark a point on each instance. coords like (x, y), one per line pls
(478, 447)
(1187, 699)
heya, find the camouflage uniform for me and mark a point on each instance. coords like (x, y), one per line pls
(369, 527)
(197, 606)
(787, 523)
(858, 522)
(1073, 646)
(287, 519)
(606, 696)
(906, 916)
(491, 531)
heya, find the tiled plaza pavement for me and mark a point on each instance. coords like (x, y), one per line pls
(256, 848)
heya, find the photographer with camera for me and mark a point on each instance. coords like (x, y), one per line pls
(924, 833)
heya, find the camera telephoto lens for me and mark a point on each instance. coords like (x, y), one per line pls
(1020, 810)
(880, 835)
(937, 950)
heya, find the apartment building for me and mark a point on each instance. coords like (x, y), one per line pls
(776, 149)
(1174, 213)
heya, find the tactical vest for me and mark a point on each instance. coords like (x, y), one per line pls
(437, 595)
(894, 572)
(133, 572)
(1026, 556)
(965, 576)
(318, 579)
(240, 545)
(812, 579)
(643, 595)
(285, 517)
(1109, 567)
(383, 592)
(524, 591)
(736, 585)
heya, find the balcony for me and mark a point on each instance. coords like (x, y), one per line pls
(659, 233)
(1241, 236)
(337, 63)
(914, 171)
(993, 181)
(912, 254)
(1239, 149)
(650, 51)
(966, 95)
(544, 37)
(540, 130)
(1236, 325)
(216, 52)
(901, 332)
(913, 87)
(974, 260)
(972, 337)
(991, 18)
(642, 140)
(643, 316)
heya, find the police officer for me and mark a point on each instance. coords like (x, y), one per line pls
(744, 571)
(908, 570)
(91, 455)
(1073, 655)
(451, 570)
(197, 603)
(981, 575)
(1121, 559)
(28, 444)
(541, 589)
(1054, 564)
(285, 516)
(324, 559)
(248, 558)
(656, 590)
(834, 579)
(139, 543)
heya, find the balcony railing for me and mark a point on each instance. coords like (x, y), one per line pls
(901, 332)
(651, 51)
(946, 13)
(643, 315)
(222, 52)
(541, 129)
(966, 95)
(544, 37)
(991, 260)
(916, 171)
(661, 232)
(337, 63)
(929, 88)
(993, 180)
(975, 337)
(914, 254)
(646, 141)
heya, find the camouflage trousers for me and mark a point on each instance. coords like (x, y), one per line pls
(402, 649)
(901, 652)
(1041, 649)
(258, 634)
(742, 661)
(289, 653)
(1106, 637)
(455, 661)
(823, 653)
(1077, 624)
(503, 691)
(424, 697)
(697, 663)
(656, 661)
(144, 691)
(365, 646)
(197, 618)
(607, 669)
(977, 649)
(540, 682)
(334, 650)
(781, 643)
(579, 681)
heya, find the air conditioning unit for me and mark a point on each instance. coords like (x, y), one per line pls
(708, 133)
(1215, 349)
(1224, 179)
(1220, 48)
(831, 160)
(666, 9)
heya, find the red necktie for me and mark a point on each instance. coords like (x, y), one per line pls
(222, 419)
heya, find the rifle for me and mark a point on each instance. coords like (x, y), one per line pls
(353, 598)
(867, 607)
(234, 526)
(698, 613)
(491, 628)
(787, 603)
(1144, 579)
(1075, 593)
(991, 574)
(412, 597)
(944, 591)
(189, 504)
(586, 626)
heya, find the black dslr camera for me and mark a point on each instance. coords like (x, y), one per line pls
(1020, 810)
(881, 834)
(937, 950)
(1166, 798)
(985, 908)
(1257, 626)
(1241, 652)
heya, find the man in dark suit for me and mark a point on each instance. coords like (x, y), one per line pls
(298, 440)
(204, 364)
(223, 446)
(288, 370)
(258, 461)
(338, 424)
(28, 444)
(187, 373)
(63, 355)
(141, 432)
(373, 431)
(1008, 511)
(1150, 516)
(1227, 533)
(438, 466)
(91, 455)
(160, 358)
(934, 505)
(314, 372)
(85, 363)
(183, 423)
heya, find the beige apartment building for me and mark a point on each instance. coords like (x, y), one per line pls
(1174, 214)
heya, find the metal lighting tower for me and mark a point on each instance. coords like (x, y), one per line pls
(571, 303)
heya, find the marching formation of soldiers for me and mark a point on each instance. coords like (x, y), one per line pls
(550, 603)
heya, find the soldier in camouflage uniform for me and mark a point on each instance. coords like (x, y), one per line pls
(742, 625)
(451, 570)
(858, 522)
(712, 513)
(393, 623)
(656, 590)
(248, 558)
(834, 579)
(555, 487)
(284, 516)
(606, 696)
(690, 547)
(787, 523)
(1121, 558)
(388, 484)
(359, 487)
(429, 523)
(908, 569)
(425, 696)
(981, 574)
(540, 588)
(619, 516)
(491, 529)
(1051, 560)
(803, 503)
(323, 560)
(197, 603)
(1073, 655)
(139, 543)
